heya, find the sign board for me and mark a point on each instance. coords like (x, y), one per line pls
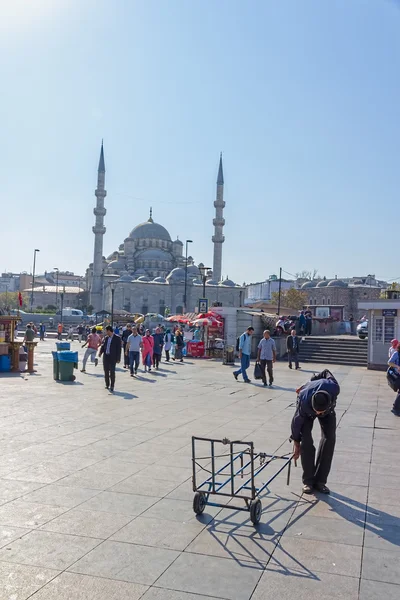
(203, 305)
(322, 312)
(389, 312)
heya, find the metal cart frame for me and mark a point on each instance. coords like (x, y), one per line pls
(241, 457)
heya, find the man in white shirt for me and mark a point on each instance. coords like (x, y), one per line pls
(266, 356)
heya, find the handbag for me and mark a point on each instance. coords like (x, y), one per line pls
(257, 371)
(393, 379)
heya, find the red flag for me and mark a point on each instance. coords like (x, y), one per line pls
(20, 298)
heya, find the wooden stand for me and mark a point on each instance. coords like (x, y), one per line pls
(31, 348)
(15, 346)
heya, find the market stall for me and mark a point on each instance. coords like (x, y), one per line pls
(10, 350)
(212, 335)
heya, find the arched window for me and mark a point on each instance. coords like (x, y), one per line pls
(179, 310)
(328, 301)
(323, 299)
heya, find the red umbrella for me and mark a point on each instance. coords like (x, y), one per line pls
(208, 321)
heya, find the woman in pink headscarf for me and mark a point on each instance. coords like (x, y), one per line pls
(393, 348)
(147, 350)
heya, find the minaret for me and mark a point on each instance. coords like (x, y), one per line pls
(219, 222)
(99, 230)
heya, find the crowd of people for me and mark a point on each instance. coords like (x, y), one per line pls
(131, 343)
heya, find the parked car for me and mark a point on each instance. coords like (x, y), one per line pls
(362, 330)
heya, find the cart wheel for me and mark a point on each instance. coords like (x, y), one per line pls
(199, 503)
(255, 511)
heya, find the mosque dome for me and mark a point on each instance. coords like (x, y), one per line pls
(308, 284)
(178, 241)
(176, 275)
(160, 280)
(322, 283)
(211, 282)
(143, 278)
(227, 283)
(150, 230)
(197, 281)
(154, 254)
(337, 283)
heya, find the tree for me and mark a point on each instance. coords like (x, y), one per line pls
(292, 298)
(307, 274)
(10, 300)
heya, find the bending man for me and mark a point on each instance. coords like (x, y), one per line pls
(316, 400)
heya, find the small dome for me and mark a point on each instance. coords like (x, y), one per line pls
(322, 283)
(227, 283)
(143, 278)
(308, 284)
(197, 281)
(337, 283)
(160, 280)
(116, 264)
(211, 282)
(176, 275)
(113, 256)
(125, 279)
(193, 271)
(150, 230)
(178, 241)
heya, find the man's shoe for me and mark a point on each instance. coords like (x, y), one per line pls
(321, 487)
(111, 389)
(107, 387)
(395, 412)
(131, 374)
(308, 489)
(235, 376)
(83, 370)
(247, 380)
(270, 384)
(265, 384)
(298, 368)
(96, 362)
(290, 366)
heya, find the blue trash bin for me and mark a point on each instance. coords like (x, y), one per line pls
(67, 361)
(63, 346)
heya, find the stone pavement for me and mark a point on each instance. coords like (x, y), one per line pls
(96, 500)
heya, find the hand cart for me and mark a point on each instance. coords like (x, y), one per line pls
(232, 480)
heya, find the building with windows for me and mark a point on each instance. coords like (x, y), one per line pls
(337, 292)
(262, 291)
(383, 327)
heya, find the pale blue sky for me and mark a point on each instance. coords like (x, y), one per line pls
(302, 97)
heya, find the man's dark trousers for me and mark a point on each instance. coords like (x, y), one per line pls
(316, 472)
(109, 370)
(126, 356)
(268, 365)
(293, 356)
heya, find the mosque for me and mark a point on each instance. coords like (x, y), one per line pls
(147, 273)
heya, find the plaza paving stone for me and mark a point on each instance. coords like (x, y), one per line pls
(96, 495)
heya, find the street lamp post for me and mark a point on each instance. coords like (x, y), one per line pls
(113, 285)
(62, 303)
(203, 273)
(186, 268)
(56, 270)
(33, 276)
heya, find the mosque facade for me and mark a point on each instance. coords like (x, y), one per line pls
(147, 273)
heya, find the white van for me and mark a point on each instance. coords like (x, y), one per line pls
(71, 312)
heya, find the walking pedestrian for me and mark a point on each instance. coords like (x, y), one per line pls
(244, 348)
(315, 400)
(168, 343)
(111, 351)
(157, 347)
(59, 331)
(92, 343)
(179, 344)
(71, 333)
(266, 356)
(293, 349)
(302, 323)
(393, 347)
(394, 362)
(81, 330)
(133, 347)
(124, 338)
(147, 350)
(42, 331)
(308, 317)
